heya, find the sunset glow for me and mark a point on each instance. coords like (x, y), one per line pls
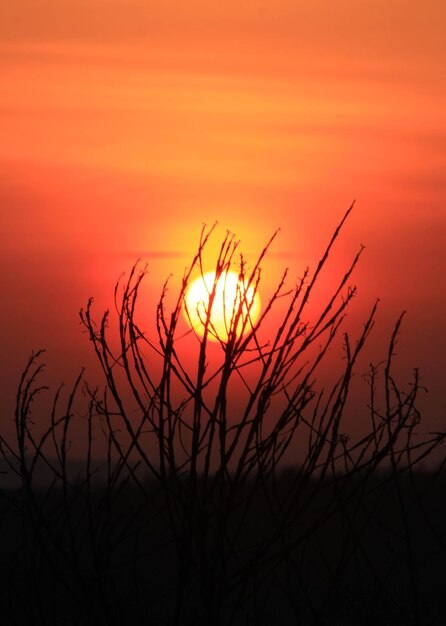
(221, 305)
(127, 126)
(222, 252)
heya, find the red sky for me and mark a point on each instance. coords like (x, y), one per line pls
(125, 125)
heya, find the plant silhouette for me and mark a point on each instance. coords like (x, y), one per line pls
(203, 512)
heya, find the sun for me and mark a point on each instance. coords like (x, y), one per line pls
(232, 298)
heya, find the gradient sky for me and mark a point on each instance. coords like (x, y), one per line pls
(126, 125)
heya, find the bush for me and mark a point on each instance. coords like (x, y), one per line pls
(203, 513)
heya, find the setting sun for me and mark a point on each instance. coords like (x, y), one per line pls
(226, 299)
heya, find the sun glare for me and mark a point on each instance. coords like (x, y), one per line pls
(231, 298)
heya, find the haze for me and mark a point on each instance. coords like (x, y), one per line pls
(126, 126)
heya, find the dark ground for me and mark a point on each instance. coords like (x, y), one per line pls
(368, 552)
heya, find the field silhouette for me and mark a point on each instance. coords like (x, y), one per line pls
(196, 515)
(355, 552)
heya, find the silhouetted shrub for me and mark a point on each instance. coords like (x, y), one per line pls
(197, 515)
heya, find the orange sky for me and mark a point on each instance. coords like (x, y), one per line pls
(124, 125)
